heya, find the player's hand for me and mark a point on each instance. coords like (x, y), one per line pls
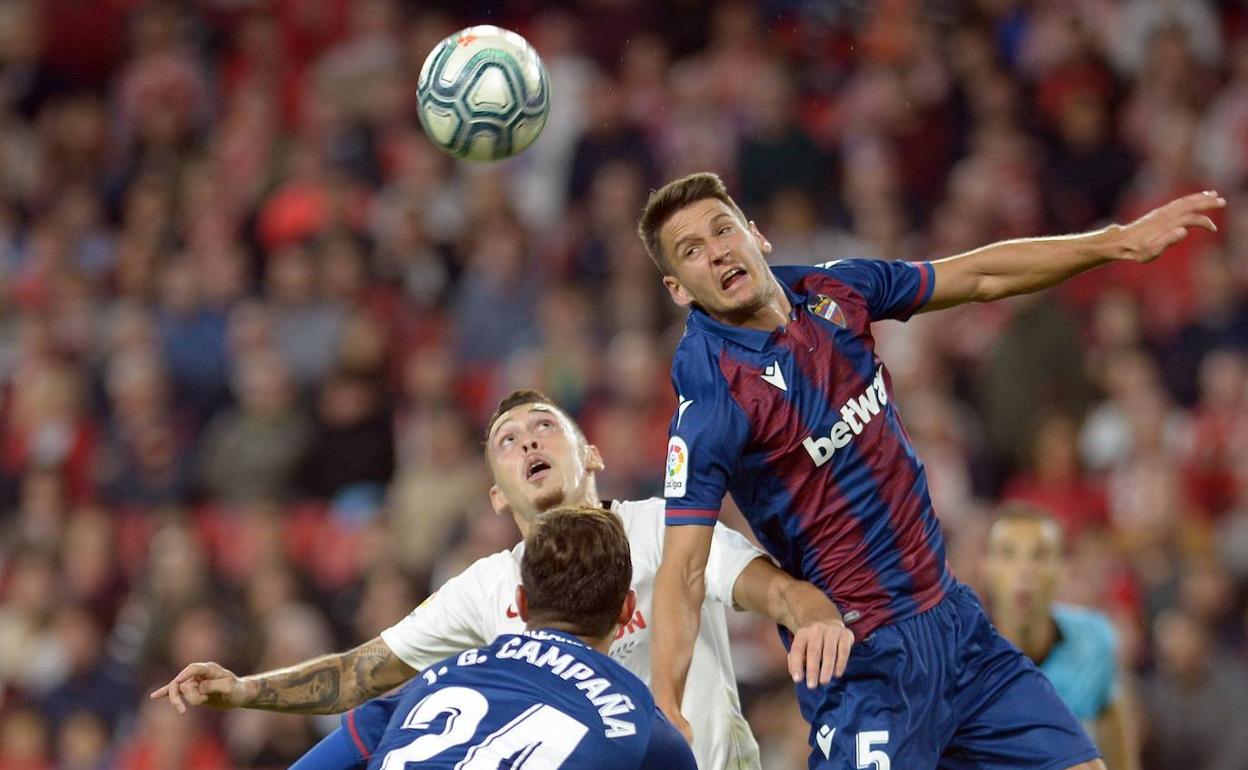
(1147, 237)
(204, 684)
(819, 652)
(672, 712)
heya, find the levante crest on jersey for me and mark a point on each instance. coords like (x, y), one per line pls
(827, 309)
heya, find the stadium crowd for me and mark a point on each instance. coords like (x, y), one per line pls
(251, 321)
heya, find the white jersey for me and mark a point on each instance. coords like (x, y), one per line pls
(477, 605)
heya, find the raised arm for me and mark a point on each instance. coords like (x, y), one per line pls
(326, 685)
(821, 641)
(679, 588)
(1009, 268)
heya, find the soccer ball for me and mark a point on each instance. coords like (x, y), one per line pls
(483, 94)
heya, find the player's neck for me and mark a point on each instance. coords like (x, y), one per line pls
(524, 522)
(600, 643)
(1036, 637)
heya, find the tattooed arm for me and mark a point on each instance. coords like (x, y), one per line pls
(326, 685)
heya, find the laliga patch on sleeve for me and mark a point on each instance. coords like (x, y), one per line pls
(677, 468)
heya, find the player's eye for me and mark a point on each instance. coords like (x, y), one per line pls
(506, 440)
(689, 252)
(546, 424)
(725, 229)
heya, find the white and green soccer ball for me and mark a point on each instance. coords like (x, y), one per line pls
(483, 94)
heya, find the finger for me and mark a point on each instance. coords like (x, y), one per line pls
(814, 651)
(1200, 220)
(190, 692)
(843, 646)
(219, 686)
(797, 654)
(1202, 202)
(175, 697)
(190, 672)
(1203, 198)
(159, 693)
(828, 664)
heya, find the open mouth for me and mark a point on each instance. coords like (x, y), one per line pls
(731, 278)
(537, 468)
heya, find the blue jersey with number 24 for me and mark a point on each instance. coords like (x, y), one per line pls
(533, 701)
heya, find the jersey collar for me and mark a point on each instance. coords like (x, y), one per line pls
(754, 339)
(561, 635)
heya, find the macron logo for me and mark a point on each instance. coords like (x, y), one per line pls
(824, 739)
(855, 414)
(774, 376)
(684, 404)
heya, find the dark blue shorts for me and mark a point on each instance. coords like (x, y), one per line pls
(942, 690)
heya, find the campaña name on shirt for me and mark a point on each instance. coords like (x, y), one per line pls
(549, 657)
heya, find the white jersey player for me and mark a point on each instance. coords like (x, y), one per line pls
(540, 460)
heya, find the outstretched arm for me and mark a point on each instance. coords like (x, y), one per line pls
(326, 685)
(1022, 266)
(679, 588)
(821, 641)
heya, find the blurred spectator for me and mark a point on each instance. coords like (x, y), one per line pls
(82, 743)
(352, 445)
(1192, 706)
(24, 740)
(252, 451)
(1055, 481)
(434, 494)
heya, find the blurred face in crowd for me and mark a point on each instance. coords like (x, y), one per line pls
(716, 260)
(1022, 567)
(539, 460)
(1182, 644)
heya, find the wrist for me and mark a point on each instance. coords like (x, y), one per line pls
(1108, 244)
(250, 688)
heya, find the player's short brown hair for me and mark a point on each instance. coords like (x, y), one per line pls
(576, 570)
(1019, 511)
(673, 197)
(523, 397)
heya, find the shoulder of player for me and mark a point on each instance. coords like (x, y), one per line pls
(644, 521)
(634, 512)
(489, 569)
(696, 364)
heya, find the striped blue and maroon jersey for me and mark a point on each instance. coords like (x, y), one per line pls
(799, 426)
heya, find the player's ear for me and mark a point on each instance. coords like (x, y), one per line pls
(497, 501)
(627, 608)
(679, 295)
(764, 245)
(522, 603)
(593, 458)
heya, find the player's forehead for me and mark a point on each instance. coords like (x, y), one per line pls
(691, 218)
(1024, 534)
(525, 413)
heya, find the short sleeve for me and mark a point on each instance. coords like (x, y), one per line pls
(446, 623)
(366, 724)
(891, 289)
(336, 751)
(731, 552)
(706, 438)
(667, 748)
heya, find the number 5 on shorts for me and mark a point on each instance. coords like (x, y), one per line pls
(870, 758)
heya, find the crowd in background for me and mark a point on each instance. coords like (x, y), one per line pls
(251, 321)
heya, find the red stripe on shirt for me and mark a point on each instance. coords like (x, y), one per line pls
(355, 736)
